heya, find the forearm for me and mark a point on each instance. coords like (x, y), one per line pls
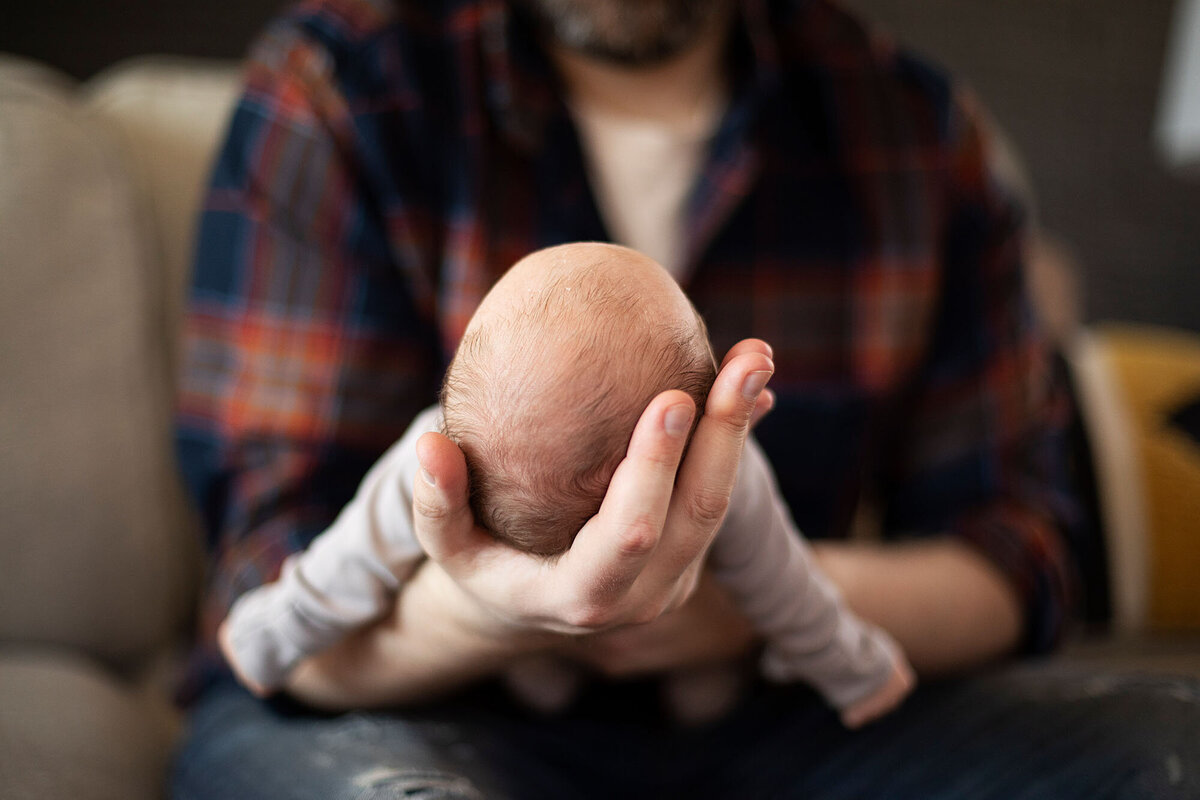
(949, 608)
(432, 643)
(469, 610)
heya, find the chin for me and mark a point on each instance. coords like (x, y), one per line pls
(625, 32)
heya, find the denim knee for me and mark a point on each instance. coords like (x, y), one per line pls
(385, 783)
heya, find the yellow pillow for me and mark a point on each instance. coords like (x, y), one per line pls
(1148, 462)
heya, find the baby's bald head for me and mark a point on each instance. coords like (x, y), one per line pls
(551, 376)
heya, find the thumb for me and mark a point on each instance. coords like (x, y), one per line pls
(442, 518)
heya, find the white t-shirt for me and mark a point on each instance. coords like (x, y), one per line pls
(642, 173)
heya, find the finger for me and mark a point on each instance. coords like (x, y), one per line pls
(442, 518)
(766, 402)
(613, 547)
(685, 586)
(706, 476)
(747, 346)
(512, 585)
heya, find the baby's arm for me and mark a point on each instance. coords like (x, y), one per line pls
(345, 578)
(810, 634)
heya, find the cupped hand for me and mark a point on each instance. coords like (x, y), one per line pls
(641, 555)
(708, 629)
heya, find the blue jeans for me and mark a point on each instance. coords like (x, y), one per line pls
(1041, 730)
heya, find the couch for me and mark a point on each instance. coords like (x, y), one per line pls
(99, 183)
(98, 549)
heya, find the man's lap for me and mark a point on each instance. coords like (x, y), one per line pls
(1038, 730)
(1034, 731)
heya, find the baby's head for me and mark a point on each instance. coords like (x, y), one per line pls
(554, 370)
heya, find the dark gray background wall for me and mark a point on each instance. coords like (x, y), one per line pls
(1075, 83)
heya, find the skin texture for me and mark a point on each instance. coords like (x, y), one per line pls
(478, 604)
(618, 599)
(594, 329)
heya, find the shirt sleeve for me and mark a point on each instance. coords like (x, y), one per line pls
(346, 578)
(769, 571)
(306, 350)
(980, 444)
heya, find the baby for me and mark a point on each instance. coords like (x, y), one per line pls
(550, 378)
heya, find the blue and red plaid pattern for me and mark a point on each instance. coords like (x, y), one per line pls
(388, 161)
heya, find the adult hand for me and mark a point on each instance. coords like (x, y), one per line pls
(766, 399)
(708, 629)
(640, 556)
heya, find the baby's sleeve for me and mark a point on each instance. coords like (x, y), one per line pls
(345, 579)
(769, 570)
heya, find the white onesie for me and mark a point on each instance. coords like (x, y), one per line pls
(350, 574)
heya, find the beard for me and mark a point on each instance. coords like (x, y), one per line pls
(631, 33)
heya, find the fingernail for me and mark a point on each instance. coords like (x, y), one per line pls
(754, 383)
(677, 419)
(428, 476)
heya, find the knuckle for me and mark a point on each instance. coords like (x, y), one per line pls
(734, 425)
(423, 508)
(707, 507)
(639, 537)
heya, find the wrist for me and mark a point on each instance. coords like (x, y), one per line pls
(433, 600)
(436, 639)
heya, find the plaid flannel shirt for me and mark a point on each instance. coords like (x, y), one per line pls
(389, 160)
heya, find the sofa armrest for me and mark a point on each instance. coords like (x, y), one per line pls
(69, 729)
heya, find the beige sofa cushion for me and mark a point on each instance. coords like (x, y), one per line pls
(168, 114)
(94, 537)
(69, 730)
